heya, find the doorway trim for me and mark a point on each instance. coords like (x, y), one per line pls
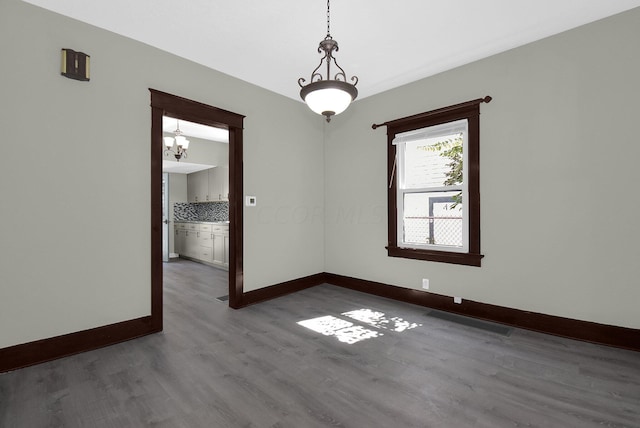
(164, 104)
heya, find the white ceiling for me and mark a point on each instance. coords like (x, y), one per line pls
(191, 129)
(196, 130)
(385, 43)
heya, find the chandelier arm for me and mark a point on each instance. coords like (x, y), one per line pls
(341, 72)
(315, 73)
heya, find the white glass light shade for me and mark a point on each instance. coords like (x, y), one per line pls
(168, 142)
(328, 100)
(182, 142)
(328, 97)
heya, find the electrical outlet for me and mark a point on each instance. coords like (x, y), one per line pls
(457, 300)
(425, 283)
(251, 201)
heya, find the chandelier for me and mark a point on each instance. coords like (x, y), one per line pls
(181, 144)
(328, 96)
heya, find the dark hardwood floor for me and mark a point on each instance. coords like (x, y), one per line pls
(257, 367)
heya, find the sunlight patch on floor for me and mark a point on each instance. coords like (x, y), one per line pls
(348, 332)
(344, 331)
(380, 320)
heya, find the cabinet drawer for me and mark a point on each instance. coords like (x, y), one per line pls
(221, 229)
(193, 226)
(180, 225)
(206, 228)
(205, 239)
(206, 254)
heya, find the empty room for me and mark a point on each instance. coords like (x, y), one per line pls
(214, 217)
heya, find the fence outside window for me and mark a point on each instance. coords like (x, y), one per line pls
(434, 230)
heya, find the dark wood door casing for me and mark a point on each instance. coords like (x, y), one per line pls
(164, 104)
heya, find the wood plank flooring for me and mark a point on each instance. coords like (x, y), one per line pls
(257, 367)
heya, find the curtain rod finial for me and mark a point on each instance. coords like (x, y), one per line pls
(487, 99)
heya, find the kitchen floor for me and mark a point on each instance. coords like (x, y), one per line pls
(323, 357)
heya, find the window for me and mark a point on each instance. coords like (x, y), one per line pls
(434, 190)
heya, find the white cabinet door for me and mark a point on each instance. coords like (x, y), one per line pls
(191, 244)
(191, 187)
(226, 250)
(219, 184)
(218, 248)
(224, 171)
(178, 242)
(198, 186)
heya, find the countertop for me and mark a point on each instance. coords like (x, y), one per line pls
(201, 222)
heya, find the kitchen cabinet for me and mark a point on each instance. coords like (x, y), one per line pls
(203, 242)
(192, 243)
(186, 243)
(198, 186)
(226, 249)
(219, 184)
(218, 249)
(221, 245)
(209, 185)
(180, 237)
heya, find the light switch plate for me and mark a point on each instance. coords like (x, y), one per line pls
(251, 201)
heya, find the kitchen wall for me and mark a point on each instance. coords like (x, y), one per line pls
(86, 145)
(201, 151)
(559, 151)
(177, 195)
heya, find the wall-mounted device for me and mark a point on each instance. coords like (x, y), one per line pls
(75, 65)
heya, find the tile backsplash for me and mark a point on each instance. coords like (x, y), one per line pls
(203, 211)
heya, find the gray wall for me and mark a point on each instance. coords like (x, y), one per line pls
(559, 152)
(74, 252)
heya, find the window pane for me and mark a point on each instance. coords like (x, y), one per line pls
(434, 162)
(432, 218)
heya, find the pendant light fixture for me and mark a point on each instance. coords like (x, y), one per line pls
(328, 96)
(181, 144)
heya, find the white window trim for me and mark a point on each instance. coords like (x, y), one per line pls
(429, 132)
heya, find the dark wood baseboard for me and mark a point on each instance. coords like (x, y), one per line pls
(277, 290)
(40, 351)
(620, 337)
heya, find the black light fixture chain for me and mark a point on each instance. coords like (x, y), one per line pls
(328, 20)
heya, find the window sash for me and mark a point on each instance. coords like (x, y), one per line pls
(428, 133)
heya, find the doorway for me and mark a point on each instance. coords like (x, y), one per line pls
(164, 104)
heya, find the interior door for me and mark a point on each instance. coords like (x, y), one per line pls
(165, 217)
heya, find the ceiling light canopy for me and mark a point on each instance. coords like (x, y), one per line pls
(328, 96)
